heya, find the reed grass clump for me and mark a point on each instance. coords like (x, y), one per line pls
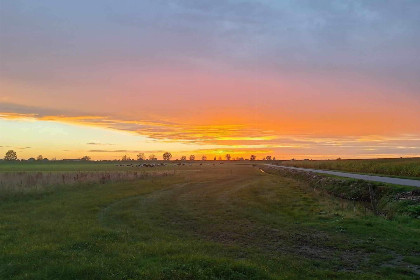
(27, 182)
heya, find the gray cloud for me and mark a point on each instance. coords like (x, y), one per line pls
(380, 39)
(6, 107)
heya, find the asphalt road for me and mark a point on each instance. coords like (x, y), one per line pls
(389, 180)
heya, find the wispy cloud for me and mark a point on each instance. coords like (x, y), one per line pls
(163, 131)
(228, 138)
(18, 148)
(124, 151)
(100, 144)
(112, 151)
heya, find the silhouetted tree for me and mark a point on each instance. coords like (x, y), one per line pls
(167, 156)
(214, 158)
(203, 158)
(253, 157)
(140, 156)
(268, 157)
(227, 156)
(40, 157)
(152, 157)
(125, 158)
(183, 158)
(192, 157)
(10, 155)
(85, 158)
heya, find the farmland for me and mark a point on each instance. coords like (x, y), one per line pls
(404, 167)
(221, 221)
(53, 166)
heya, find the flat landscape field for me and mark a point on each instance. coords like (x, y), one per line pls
(51, 166)
(194, 221)
(401, 167)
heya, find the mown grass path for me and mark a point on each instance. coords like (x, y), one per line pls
(218, 222)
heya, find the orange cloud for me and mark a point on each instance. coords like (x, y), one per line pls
(238, 139)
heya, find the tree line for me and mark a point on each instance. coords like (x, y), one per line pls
(11, 155)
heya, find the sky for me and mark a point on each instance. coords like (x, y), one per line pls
(291, 79)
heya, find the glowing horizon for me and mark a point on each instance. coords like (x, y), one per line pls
(286, 79)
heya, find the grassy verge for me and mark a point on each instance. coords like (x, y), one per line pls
(382, 199)
(399, 167)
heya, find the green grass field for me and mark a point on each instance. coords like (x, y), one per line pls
(404, 167)
(51, 166)
(203, 222)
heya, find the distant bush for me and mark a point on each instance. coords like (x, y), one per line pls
(10, 155)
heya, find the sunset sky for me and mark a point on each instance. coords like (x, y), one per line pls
(291, 79)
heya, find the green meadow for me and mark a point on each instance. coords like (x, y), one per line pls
(400, 167)
(210, 221)
(51, 166)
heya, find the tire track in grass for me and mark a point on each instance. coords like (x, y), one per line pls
(214, 210)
